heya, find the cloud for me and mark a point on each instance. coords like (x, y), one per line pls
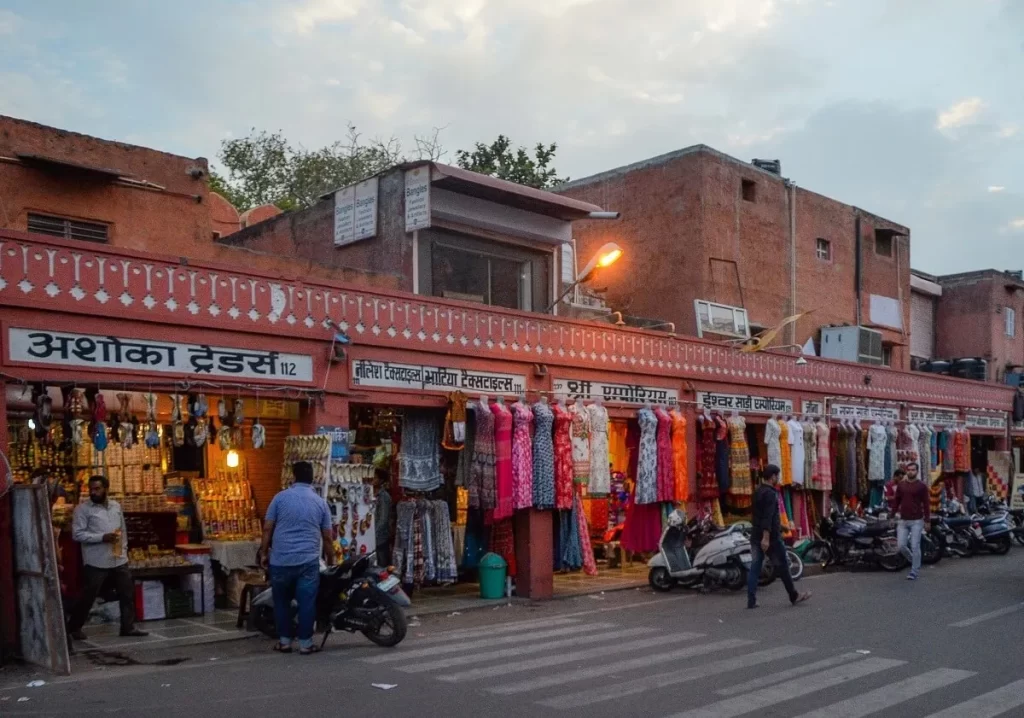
(8, 22)
(960, 113)
(994, 188)
(1007, 131)
(1017, 225)
(313, 13)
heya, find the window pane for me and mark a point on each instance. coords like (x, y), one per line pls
(458, 275)
(506, 283)
(723, 320)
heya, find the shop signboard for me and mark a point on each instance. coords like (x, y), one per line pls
(863, 411)
(613, 393)
(355, 212)
(418, 377)
(986, 421)
(929, 415)
(744, 403)
(815, 408)
(92, 351)
(417, 198)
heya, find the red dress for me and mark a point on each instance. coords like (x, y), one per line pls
(502, 461)
(707, 481)
(563, 457)
(666, 461)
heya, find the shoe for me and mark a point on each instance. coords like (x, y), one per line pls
(753, 605)
(134, 633)
(79, 636)
(912, 576)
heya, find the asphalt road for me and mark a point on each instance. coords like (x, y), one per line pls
(867, 644)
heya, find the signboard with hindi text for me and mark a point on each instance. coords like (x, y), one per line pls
(613, 393)
(986, 421)
(864, 411)
(929, 415)
(90, 351)
(417, 377)
(744, 403)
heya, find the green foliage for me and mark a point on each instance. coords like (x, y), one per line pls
(500, 160)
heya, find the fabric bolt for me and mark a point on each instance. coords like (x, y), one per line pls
(772, 438)
(666, 462)
(722, 454)
(787, 454)
(796, 447)
(502, 461)
(810, 453)
(482, 489)
(444, 547)
(522, 456)
(543, 456)
(600, 466)
(741, 485)
(580, 428)
(563, 457)
(823, 480)
(707, 483)
(679, 458)
(419, 457)
(647, 469)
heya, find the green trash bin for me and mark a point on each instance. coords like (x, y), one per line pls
(491, 569)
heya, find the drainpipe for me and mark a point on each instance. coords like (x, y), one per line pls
(791, 196)
(857, 262)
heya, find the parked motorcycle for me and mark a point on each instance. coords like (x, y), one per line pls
(847, 539)
(723, 559)
(354, 596)
(933, 538)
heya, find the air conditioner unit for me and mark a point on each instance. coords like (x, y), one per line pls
(853, 344)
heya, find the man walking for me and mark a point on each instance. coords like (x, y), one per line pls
(99, 526)
(766, 538)
(296, 532)
(913, 509)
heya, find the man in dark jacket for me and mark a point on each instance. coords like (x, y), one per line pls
(766, 538)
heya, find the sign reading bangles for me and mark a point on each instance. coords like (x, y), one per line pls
(38, 346)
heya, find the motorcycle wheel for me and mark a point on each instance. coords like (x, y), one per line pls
(767, 573)
(261, 620)
(931, 550)
(1001, 546)
(821, 553)
(738, 581)
(796, 565)
(393, 618)
(660, 580)
(894, 561)
(1018, 535)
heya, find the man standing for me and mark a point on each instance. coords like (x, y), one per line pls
(889, 492)
(766, 538)
(296, 532)
(99, 526)
(913, 509)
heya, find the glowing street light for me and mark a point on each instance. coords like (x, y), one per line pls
(606, 256)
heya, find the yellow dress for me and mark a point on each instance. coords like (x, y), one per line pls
(787, 465)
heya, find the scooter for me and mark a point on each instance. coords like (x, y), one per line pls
(723, 561)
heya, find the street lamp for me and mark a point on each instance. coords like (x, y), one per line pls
(606, 256)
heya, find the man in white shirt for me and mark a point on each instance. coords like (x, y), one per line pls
(99, 526)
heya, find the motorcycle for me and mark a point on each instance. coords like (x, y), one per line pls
(723, 559)
(354, 596)
(847, 539)
(933, 538)
(991, 533)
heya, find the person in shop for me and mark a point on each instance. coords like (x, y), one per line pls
(297, 530)
(766, 538)
(889, 490)
(99, 526)
(913, 509)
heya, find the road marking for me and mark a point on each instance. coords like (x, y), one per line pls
(790, 690)
(781, 676)
(653, 601)
(663, 680)
(506, 653)
(582, 674)
(457, 647)
(497, 630)
(988, 616)
(888, 696)
(988, 705)
(563, 658)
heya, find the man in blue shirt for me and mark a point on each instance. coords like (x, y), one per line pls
(297, 530)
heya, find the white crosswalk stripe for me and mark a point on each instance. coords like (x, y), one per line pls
(887, 696)
(988, 705)
(774, 678)
(498, 630)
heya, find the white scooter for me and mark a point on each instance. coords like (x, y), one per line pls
(723, 561)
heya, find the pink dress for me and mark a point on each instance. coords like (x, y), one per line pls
(522, 456)
(666, 461)
(502, 461)
(563, 457)
(824, 482)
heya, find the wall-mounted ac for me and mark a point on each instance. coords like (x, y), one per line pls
(853, 344)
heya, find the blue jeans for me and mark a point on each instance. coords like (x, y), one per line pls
(911, 530)
(780, 563)
(298, 583)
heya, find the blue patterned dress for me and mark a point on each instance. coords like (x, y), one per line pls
(647, 465)
(543, 457)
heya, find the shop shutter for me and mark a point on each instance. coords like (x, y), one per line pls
(922, 326)
(265, 464)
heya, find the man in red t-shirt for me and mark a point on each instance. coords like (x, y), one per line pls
(889, 490)
(913, 509)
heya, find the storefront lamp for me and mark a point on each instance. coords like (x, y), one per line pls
(606, 256)
(232, 460)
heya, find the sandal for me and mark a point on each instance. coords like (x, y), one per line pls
(278, 648)
(308, 651)
(801, 598)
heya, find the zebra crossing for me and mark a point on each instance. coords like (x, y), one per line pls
(568, 664)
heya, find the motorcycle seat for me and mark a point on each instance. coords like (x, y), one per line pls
(876, 529)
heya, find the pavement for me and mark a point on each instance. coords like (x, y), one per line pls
(867, 644)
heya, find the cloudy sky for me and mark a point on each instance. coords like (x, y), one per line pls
(912, 109)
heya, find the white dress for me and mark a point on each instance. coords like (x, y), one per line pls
(772, 437)
(796, 443)
(877, 438)
(600, 471)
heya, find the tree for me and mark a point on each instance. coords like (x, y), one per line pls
(498, 159)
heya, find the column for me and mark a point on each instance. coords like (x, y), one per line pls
(333, 412)
(534, 554)
(8, 609)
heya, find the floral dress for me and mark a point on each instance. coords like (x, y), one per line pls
(647, 466)
(481, 476)
(679, 459)
(563, 457)
(823, 475)
(772, 441)
(543, 457)
(580, 443)
(600, 469)
(739, 452)
(666, 462)
(502, 461)
(786, 466)
(707, 483)
(522, 456)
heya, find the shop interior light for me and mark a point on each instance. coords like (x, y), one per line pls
(232, 459)
(32, 424)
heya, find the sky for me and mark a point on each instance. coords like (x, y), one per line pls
(911, 109)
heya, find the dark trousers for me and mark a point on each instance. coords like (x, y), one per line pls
(93, 580)
(777, 552)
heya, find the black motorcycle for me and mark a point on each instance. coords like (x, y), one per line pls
(354, 596)
(847, 539)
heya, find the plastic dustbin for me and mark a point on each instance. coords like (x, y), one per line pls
(491, 570)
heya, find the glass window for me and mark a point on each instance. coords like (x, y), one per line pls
(477, 277)
(824, 249)
(1011, 322)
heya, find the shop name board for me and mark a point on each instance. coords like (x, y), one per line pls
(744, 402)
(355, 212)
(813, 407)
(858, 411)
(416, 377)
(106, 352)
(985, 421)
(615, 393)
(933, 416)
(417, 198)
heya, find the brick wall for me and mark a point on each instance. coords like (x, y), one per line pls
(970, 319)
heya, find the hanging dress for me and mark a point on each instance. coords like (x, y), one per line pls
(707, 484)
(563, 457)
(666, 462)
(543, 456)
(600, 467)
(824, 479)
(580, 443)
(796, 443)
(502, 461)
(877, 439)
(787, 453)
(481, 483)
(810, 454)
(863, 488)
(851, 460)
(522, 456)
(772, 442)
(722, 454)
(647, 467)
(741, 486)
(679, 458)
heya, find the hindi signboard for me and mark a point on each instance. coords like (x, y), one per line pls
(932, 415)
(417, 377)
(744, 403)
(612, 393)
(864, 411)
(986, 421)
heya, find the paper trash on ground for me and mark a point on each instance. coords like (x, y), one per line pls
(384, 686)
(35, 684)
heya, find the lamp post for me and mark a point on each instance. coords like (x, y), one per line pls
(606, 256)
